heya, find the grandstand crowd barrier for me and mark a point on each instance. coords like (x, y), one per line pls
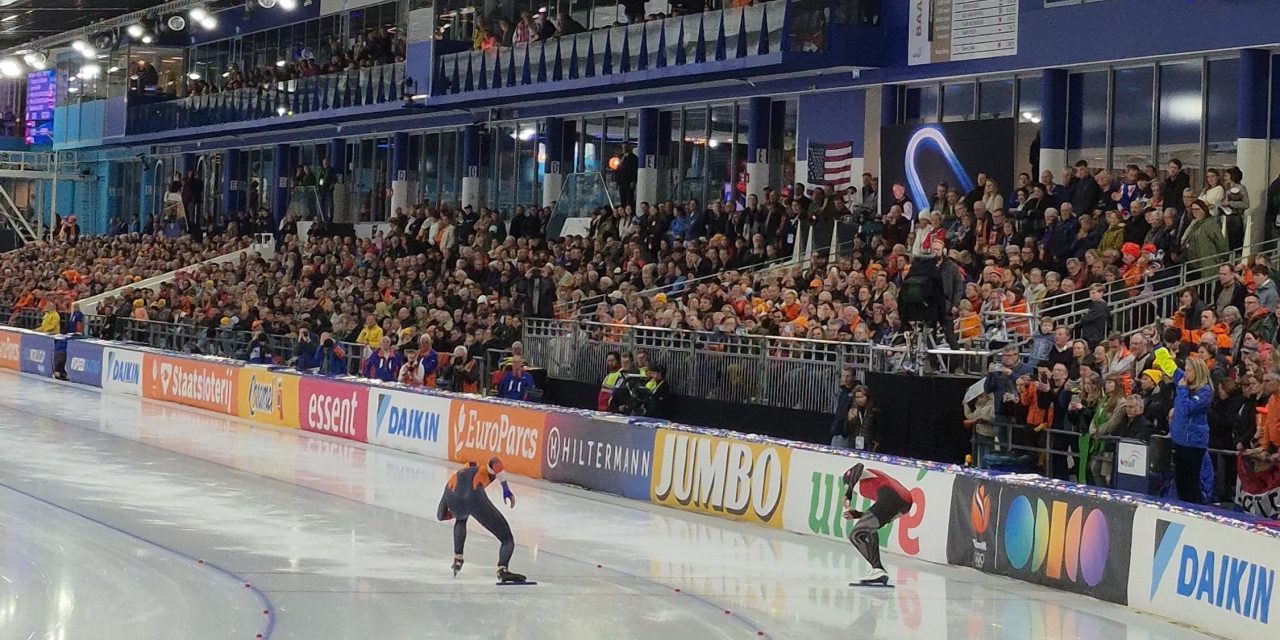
(1214, 571)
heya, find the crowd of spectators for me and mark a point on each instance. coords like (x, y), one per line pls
(374, 47)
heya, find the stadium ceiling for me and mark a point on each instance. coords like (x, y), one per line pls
(24, 21)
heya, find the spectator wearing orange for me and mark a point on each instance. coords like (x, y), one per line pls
(969, 323)
(1208, 323)
(1269, 433)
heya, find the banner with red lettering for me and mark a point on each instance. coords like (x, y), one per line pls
(333, 408)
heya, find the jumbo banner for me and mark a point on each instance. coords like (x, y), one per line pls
(122, 371)
(10, 350)
(720, 476)
(333, 408)
(268, 397)
(84, 362)
(1216, 575)
(408, 421)
(481, 430)
(196, 383)
(600, 454)
(815, 503)
(1041, 534)
(38, 352)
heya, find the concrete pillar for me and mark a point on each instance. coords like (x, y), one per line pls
(554, 166)
(1053, 123)
(400, 197)
(647, 178)
(759, 165)
(1252, 146)
(284, 173)
(472, 184)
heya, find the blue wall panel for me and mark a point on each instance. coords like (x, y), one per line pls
(837, 116)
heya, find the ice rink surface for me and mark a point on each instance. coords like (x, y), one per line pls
(126, 519)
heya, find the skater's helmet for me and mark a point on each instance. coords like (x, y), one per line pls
(853, 474)
(495, 465)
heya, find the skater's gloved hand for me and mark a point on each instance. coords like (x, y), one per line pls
(507, 496)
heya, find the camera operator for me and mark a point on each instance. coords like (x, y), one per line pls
(412, 372)
(661, 401)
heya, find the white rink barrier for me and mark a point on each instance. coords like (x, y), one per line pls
(1213, 571)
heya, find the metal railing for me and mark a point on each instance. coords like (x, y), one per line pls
(1156, 287)
(712, 36)
(354, 88)
(796, 373)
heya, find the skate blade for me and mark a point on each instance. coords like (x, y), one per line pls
(877, 585)
(520, 583)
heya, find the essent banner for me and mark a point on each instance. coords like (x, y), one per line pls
(333, 408)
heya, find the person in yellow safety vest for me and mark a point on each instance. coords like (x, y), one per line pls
(612, 379)
(52, 322)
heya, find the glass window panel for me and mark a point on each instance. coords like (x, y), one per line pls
(1181, 113)
(1030, 102)
(720, 155)
(995, 99)
(1132, 120)
(957, 102)
(921, 104)
(1224, 100)
(1087, 118)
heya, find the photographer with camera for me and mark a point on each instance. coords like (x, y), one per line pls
(304, 351)
(330, 358)
(411, 372)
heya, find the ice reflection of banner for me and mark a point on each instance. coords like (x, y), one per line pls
(692, 549)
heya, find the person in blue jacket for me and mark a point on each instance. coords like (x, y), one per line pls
(1189, 428)
(330, 358)
(516, 382)
(383, 364)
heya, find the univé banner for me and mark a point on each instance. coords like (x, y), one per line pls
(10, 350)
(269, 397)
(598, 453)
(196, 383)
(333, 408)
(722, 476)
(1039, 533)
(815, 503)
(1217, 575)
(481, 430)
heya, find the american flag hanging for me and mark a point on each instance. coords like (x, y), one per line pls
(831, 164)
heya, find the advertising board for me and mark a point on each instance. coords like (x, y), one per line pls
(333, 408)
(481, 430)
(721, 476)
(195, 383)
(38, 352)
(10, 350)
(122, 371)
(408, 421)
(1214, 575)
(1041, 534)
(815, 503)
(599, 454)
(84, 362)
(268, 397)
